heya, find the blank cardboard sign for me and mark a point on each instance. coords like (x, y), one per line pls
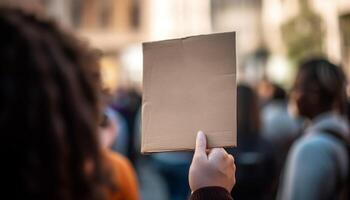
(189, 84)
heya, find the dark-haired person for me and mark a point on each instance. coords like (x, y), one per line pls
(49, 117)
(317, 164)
(120, 168)
(255, 156)
(279, 126)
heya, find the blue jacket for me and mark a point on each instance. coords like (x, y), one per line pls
(317, 162)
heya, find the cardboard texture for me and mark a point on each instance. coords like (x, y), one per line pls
(189, 84)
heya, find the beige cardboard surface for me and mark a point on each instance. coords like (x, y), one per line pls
(189, 84)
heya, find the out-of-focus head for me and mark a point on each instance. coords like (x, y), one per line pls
(278, 93)
(248, 115)
(49, 84)
(320, 86)
(268, 91)
(108, 130)
(265, 91)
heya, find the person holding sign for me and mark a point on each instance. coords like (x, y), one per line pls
(49, 114)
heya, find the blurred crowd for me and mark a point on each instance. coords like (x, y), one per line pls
(292, 143)
(287, 140)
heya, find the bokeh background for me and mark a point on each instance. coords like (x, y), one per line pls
(272, 37)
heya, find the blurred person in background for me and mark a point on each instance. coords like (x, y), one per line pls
(279, 127)
(121, 140)
(121, 170)
(255, 159)
(317, 165)
(127, 102)
(265, 91)
(49, 116)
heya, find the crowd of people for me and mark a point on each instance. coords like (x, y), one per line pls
(64, 138)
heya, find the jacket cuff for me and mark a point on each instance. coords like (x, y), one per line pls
(211, 193)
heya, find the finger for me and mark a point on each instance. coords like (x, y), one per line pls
(201, 144)
(231, 161)
(231, 158)
(207, 151)
(217, 154)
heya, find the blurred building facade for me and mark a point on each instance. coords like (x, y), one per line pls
(272, 35)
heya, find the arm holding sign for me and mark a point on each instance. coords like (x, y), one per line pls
(211, 176)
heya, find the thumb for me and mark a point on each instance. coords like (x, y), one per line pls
(201, 144)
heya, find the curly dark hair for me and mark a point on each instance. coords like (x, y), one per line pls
(49, 111)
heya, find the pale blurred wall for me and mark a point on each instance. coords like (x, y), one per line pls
(109, 26)
(61, 9)
(177, 18)
(242, 16)
(277, 12)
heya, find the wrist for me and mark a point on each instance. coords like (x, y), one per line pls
(211, 193)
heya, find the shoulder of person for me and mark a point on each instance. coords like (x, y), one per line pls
(116, 159)
(123, 174)
(318, 144)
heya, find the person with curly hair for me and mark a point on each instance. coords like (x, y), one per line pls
(50, 112)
